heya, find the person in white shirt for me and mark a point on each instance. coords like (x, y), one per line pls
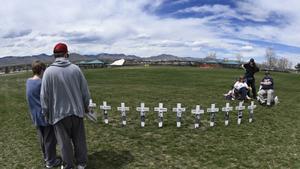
(242, 88)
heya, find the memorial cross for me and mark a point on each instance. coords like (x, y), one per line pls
(251, 110)
(212, 110)
(226, 110)
(142, 109)
(240, 109)
(123, 110)
(179, 110)
(92, 115)
(197, 113)
(105, 108)
(160, 110)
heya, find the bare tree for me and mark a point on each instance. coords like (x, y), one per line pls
(283, 63)
(271, 59)
(211, 56)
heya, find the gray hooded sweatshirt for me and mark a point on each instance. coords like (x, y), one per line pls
(64, 91)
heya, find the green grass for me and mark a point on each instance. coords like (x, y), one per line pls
(272, 141)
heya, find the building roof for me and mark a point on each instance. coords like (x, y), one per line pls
(231, 63)
(82, 62)
(211, 62)
(95, 62)
(91, 62)
(118, 62)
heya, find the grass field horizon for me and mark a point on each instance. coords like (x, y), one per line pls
(272, 141)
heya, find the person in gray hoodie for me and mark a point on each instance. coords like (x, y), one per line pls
(64, 100)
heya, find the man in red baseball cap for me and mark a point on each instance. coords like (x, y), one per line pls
(64, 100)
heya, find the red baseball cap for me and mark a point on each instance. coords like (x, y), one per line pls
(60, 48)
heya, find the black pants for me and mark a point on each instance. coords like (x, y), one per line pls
(48, 143)
(70, 135)
(251, 83)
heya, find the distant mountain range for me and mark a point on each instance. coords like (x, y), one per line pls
(75, 57)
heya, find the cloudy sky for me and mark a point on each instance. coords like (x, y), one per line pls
(151, 27)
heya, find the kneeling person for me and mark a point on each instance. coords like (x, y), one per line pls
(242, 88)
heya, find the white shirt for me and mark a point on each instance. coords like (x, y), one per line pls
(238, 85)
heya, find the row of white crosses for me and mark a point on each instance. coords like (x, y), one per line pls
(179, 110)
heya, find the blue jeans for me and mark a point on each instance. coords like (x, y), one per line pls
(243, 92)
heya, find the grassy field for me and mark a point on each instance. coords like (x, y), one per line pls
(272, 141)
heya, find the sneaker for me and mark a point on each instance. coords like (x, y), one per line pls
(276, 100)
(81, 167)
(55, 164)
(63, 167)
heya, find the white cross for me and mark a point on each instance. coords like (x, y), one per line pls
(91, 104)
(252, 106)
(123, 110)
(197, 113)
(142, 111)
(251, 109)
(227, 109)
(240, 109)
(91, 114)
(212, 110)
(179, 110)
(105, 108)
(160, 109)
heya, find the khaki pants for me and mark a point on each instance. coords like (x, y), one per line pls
(266, 95)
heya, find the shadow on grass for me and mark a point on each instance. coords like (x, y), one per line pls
(109, 159)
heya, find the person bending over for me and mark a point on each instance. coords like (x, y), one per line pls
(251, 69)
(242, 88)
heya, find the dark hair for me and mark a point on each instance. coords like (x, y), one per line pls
(37, 67)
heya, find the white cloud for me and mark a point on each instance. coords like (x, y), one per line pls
(247, 48)
(113, 26)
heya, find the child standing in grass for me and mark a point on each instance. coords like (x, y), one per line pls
(45, 131)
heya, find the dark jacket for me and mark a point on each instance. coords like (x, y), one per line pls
(269, 81)
(250, 71)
